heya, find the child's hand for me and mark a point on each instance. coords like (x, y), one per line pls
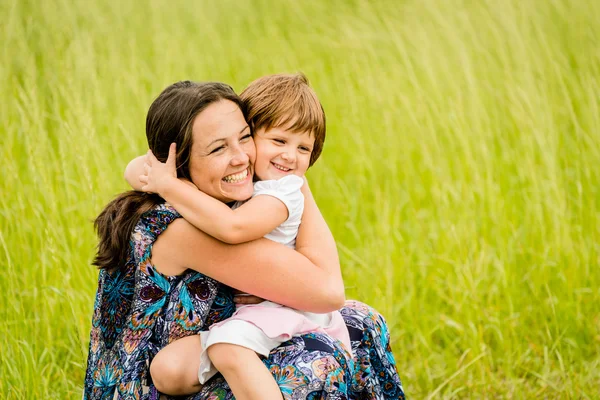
(157, 176)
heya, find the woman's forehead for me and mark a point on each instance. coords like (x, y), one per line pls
(220, 120)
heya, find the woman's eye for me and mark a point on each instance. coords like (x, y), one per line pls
(245, 138)
(217, 149)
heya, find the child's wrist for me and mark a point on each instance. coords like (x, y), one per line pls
(166, 187)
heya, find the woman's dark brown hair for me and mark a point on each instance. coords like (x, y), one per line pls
(170, 119)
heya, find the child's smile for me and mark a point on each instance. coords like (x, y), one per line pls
(281, 167)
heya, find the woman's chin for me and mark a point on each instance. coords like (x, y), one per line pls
(237, 192)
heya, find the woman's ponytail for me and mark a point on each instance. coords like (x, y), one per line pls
(115, 225)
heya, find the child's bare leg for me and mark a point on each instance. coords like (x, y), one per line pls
(247, 376)
(174, 370)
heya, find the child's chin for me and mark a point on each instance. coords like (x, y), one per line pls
(273, 176)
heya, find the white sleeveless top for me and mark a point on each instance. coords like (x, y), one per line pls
(286, 189)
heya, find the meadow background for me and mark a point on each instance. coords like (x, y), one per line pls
(460, 174)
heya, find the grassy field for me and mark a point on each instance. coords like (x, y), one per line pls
(461, 174)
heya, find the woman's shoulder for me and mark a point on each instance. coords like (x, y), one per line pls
(161, 213)
(151, 224)
(159, 216)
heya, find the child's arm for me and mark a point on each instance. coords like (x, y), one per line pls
(251, 221)
(134, 169)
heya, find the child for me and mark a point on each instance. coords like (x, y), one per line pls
(289, 132)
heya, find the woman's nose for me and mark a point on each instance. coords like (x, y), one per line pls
(240, 157)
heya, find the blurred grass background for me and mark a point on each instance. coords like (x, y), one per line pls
(460, 175)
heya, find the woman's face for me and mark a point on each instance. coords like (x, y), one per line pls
(223, 153)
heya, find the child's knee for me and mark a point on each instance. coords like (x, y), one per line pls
(226, 357)
(162, 372)
(170, 374)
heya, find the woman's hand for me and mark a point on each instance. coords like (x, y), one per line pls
(157, 175)
(245, 298)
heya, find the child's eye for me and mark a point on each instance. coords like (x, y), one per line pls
(305, 149)
(279, 141)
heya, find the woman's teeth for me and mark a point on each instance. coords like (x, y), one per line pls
(279, 167)
(236, 178)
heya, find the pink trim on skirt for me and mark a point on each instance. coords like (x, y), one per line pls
(282, 323)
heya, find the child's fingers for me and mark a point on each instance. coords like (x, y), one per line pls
(147, 168)
(172, 155)
(150, 158)
(143, 179)
(147, 189)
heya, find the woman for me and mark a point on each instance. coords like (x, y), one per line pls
(159, 285)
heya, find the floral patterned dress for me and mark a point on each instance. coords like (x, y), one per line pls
(138, 311)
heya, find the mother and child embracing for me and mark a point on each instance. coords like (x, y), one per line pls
(219, 277)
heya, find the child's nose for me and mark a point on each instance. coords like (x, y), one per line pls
(289, 155)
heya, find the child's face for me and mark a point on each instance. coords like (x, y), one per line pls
(280, 152)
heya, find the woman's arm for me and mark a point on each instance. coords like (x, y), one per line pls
(261, 267)
(315, 241)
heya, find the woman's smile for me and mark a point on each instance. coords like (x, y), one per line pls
(238, 177)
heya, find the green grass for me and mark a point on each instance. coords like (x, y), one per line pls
(460, 175)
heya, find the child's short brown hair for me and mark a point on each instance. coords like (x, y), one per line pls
(286, 101)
